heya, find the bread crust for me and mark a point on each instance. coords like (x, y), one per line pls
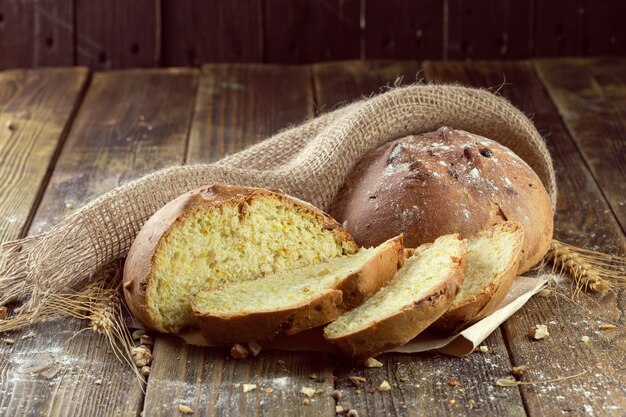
(138, 268)
(488, 300)
(401, 327)
(442, 182)
(350, 292)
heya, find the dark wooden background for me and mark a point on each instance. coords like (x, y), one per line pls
(108, 34)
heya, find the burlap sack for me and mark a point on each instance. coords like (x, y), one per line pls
(309, 161)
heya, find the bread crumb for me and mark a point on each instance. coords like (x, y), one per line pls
(184, 409)
(454, 383)
(309, 392)
(472, 404)
(239, 351)
(585, 339)
(28, 335)
(540, 331)
(461, 390)
(98, 382)
(339, 409)
(141, 356)
(269, 390)
(249, 387)
(306, 401)
(518, 371)
(336, 394)
(544, 293)
(452, 401)
(372, 363)
(506, 382)
(3, 312)
(483, 349)
(8, 341)
(69, 205)
(607, 326)
(10, 125)
(255, 348)
(384, 386)
(357, 379)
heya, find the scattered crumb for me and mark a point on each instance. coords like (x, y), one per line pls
(141, 356)
(10, 125)
(372, 363)
(249, 387)
(607, 326)
(28, 335)
(336, 394)
(3, 313)
(506, 382)
(306, 401)
(98, 382)
(454, 383)
(138, 333)
(239, 351)
(269, 390)
(69, 205)
(585, 339)
(146, 340)
(544, 293)
(452, 401)
(384, 386)
(357, 379)
(312, 376)
(472, 404)
(184, 409)
(538, 332)
(309, 392)
(403, 379)
(255, 348)
(518, 371)
(339, 409)
(483, 349)
(7, 341)
(145, 370)
(353, 413)
(461, 390)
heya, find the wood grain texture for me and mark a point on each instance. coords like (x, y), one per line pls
(308, 31)
(488, 29)
(236, 107)
(419, 382)
(130, 122)
(239, 105)
(117, 33)
(560, 28)
(195, 32)
(590, 95)
(583, 218)
(401, 29)
(16, 34)
(36, 107)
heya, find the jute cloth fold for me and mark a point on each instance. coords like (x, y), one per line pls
(309, 161)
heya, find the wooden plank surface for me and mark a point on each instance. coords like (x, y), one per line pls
(583, 218)
(118, 34)
(195, 32)
(404, 29)
(53, 33)
(308, 31)
(16, 35)
(36, 107)
(590, 95)
(237, 106)
(419, 382)
(130, 122)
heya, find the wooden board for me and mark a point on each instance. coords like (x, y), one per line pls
(118, 34)
(194, 32)
(36, 108)
(590, 95)
(488, 29)
(237, 106)
(421, 380)
(130, 122)
(404, 29)
(308, 31)
(582, 218)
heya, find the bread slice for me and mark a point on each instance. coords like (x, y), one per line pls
(419, 294)
(218, 235)
(293, 301)
(493, 257)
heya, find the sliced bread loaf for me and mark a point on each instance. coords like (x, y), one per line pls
(293, 301)
(217, 235)
(419, 294)
(493, 255)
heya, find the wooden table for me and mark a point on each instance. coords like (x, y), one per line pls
(68, 135)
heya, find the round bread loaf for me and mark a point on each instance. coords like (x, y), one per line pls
(443, 182)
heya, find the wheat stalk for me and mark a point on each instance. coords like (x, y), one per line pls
(590, 270)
